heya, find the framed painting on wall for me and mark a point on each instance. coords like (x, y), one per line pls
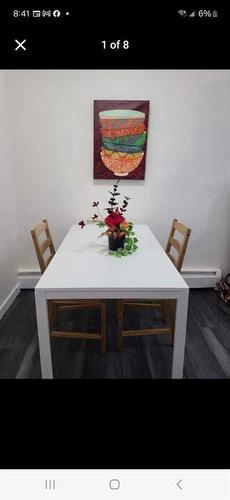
(120, 139)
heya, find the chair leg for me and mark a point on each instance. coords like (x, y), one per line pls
(173, 318)
(52, 312)
(116, 309)
(120, 324)
(169, 314)
(173, 305)
(103, 327)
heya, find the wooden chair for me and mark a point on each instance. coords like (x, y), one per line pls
(180, 246)
(45, 251)
(168, 307)
(42, 246)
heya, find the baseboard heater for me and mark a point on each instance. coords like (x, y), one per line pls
(194, 277)
(201, 278)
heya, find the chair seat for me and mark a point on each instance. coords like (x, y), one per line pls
(62, 305)
(169, 319)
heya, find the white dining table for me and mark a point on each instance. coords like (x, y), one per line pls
(83, 268)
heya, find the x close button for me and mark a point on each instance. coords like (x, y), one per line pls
(20, 45)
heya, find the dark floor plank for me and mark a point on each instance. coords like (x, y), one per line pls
(207, 353)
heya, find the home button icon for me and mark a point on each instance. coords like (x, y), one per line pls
(114, 484)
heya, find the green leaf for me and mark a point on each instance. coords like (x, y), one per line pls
(100, 223)
(135, 247)
(135, 240)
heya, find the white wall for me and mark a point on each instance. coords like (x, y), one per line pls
(8, 223)
(188, 156)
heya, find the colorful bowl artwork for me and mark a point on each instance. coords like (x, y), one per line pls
(123, 138)
(121, 118)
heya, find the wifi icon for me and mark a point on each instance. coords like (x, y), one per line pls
(182, 13)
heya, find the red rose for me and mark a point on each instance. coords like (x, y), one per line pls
(114, 219)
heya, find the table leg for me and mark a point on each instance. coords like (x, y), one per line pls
(43, 334)
(180, 335)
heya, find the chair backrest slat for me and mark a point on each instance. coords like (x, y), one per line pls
(42, 247)
(175, 243)
(179, 246)
(180, 227)
(40, 228)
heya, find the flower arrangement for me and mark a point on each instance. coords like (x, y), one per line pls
(122, 238)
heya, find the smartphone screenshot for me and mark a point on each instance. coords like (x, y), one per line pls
(114, 251)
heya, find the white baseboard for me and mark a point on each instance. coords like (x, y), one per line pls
(194, 277)
(9, 300)
(28, 278)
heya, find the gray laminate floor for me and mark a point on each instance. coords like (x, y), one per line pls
(207, 344)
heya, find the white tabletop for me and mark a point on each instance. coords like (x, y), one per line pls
(82, 262)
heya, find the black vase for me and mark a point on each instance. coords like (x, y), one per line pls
(114, 244)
